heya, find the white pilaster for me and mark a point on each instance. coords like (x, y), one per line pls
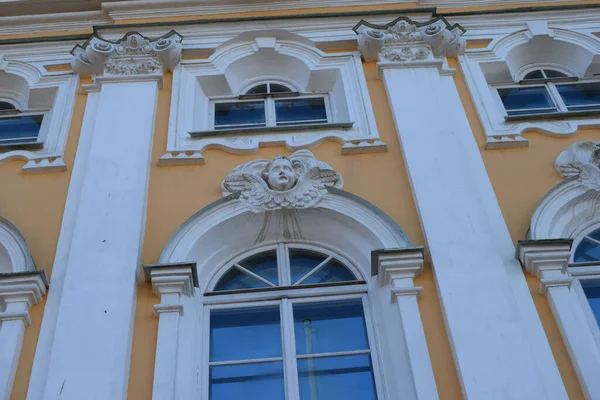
(170, 282)
(499, 346)
(399, 267)
(18, 293)
(90, 343)
(548, 260)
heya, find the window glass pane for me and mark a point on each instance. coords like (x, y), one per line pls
(581, 96)
(550, 73)
(239, 113)
(263, 265)
(4, 105)
(587, 250)
(260, 89)
(333, 271)
(592, 292)
(260, 381)
(234, 279)
(303, 261)
(245, 333)
(275, 88)
(20, 129)
(537, 74)
(336, 378)
(300, 110)
(330, 327)
(529, 100)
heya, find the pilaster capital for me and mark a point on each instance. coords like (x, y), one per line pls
(404, 43)
(177, 278)
(547, 260)
(130, 58)
(398, 267)
(19, 292)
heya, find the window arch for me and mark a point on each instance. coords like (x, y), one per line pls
(588, 248)
(297, 343)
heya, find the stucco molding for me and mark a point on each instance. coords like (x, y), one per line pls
(16, 248)
(404, 43)
(132, 56)
(242, 61)
(297, 181)
(548, 39)
(29, 64)
(572, 207)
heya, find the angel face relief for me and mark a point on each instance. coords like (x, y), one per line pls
(280, 174)
(297, 181)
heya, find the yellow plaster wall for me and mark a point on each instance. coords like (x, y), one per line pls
(177, 192)
(34, 203)
(521, 177)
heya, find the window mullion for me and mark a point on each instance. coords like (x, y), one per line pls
(283, 263)
(270, 111)
(556, 97)
(292, 387)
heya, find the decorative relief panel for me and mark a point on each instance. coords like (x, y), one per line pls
(297, 181)
(582, 161)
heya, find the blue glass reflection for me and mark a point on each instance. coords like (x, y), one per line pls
(588, 251)
(333, 271)
(519, 101)
(336, 378)
(245, 333)
(581, 97)
(239, 114)
(263, 265)
(330, 327)
(591, 288)
(234, 279)
(15, 130)
(260, 381)
(302, 262)
(294, 111)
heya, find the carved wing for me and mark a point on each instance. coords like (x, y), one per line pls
(326, 177)
(242, 182)
(570, 170)
(590, 175)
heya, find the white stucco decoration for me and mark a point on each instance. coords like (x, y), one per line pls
(134, 54)
(297, 181)
(407, 40)
(581, 160)
(572, 207)
(14, 253)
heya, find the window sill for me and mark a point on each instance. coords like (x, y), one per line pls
(556, 115)
(21, 146)
(271, 129)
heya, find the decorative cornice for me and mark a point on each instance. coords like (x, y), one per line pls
(405, 41)
(547, 260)
(175, 278)
(398, 267)
(132, 55)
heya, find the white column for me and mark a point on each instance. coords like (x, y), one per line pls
(89, 350)
(548, 260)
(18, 293)
(499, 345)
(170, 282)
(399, 267)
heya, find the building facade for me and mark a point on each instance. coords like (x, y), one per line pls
(285, 200)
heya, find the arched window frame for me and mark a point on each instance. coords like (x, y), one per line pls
(285, 297)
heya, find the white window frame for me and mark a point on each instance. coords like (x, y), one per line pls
(42, 132)
(284, 299)
(270, 116)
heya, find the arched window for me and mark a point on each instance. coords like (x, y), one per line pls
(587, 254)
(588, 249)
(269, 105)
(549, 91)
(18, 127)
(274, 336)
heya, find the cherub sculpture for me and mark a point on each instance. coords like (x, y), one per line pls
(297, 181)
(581, 160)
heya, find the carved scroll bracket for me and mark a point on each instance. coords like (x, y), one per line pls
(133, 56)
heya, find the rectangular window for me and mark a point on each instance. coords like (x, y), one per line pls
(20, 129)
(580, 96)
(253, 351)
(591, 288)
(527, 100)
